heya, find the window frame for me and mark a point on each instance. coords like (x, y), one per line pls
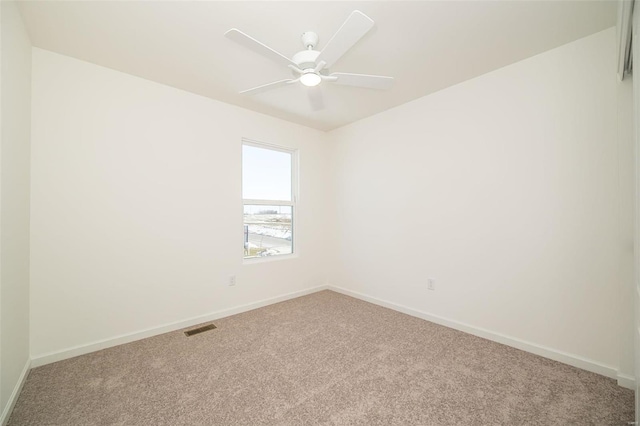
(295, 251)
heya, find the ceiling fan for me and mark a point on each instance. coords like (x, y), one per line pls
(310, 67)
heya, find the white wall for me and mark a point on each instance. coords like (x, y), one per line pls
(505, 189)
(15, 86)
(136, 217)
(635, 46)
(626, 178)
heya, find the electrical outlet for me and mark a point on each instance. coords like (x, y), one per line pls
(431, 283)
(232, 280)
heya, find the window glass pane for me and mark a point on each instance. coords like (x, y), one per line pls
(267, 230)
(266, 174)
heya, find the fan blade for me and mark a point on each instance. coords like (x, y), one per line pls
(266, 87)
(315, 98)
(253, 44)
(356, 26)
(363, 80)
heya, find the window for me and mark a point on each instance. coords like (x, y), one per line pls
(268, 192)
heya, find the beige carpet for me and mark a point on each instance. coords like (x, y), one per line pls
(319, 359)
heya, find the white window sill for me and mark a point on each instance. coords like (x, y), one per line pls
(255, 260)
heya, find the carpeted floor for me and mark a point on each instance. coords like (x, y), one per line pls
(319, 359)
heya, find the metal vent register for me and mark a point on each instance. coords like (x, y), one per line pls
(199, 330)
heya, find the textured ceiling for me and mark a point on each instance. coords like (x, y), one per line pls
(426, 45)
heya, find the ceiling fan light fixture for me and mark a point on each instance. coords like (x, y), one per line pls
(310, 79)
(310, 67)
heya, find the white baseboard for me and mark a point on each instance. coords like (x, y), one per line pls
(14, 395)
(127, 338)
(626, 381)
(566, 358)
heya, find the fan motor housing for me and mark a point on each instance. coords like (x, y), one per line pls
(306, 59)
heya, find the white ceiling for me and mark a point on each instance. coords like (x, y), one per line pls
(425, 45)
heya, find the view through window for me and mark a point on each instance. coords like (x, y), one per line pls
(267, 191)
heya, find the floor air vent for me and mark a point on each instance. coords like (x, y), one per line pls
(199, 330)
